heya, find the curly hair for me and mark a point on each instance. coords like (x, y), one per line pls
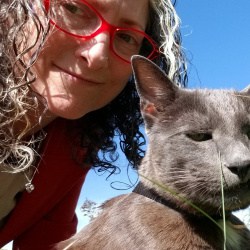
(96, 131)
(16, 99)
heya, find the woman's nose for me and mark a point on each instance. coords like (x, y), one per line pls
(96, 51)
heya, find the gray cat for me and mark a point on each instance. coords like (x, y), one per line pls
(197, 139)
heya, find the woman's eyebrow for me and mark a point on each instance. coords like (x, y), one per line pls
(103, 6)
(131, 22)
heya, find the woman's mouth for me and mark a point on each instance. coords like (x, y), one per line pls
(75, 75)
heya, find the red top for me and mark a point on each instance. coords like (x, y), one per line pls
(47, 214)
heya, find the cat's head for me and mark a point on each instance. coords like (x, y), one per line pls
(196, 139)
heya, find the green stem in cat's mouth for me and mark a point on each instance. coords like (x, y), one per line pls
(172, 192)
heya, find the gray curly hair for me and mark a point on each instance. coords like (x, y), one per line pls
(16, 97)
(167, 27)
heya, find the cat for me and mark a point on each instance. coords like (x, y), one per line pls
(198, 140)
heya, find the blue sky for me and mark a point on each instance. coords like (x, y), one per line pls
(216, 39)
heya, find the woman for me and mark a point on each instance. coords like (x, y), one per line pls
(66, 91)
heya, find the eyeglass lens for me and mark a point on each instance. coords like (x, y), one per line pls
(78, 19)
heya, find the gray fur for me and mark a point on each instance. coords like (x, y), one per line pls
(189, 167)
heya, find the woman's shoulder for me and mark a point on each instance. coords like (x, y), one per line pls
(11, 185)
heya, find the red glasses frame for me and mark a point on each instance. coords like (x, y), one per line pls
(105, 26)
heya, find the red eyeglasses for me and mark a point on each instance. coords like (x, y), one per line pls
(80, 19)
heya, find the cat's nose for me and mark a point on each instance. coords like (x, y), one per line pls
(240, 168)
(236, 158)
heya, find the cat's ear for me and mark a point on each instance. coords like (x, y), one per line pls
(246, 90)
(155, 89)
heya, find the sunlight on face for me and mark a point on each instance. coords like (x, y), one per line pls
(77, 76)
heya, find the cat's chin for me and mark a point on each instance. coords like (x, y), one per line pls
(235, 198)
(245, 185)
(248, 184)
(238, 197)
(240, 189)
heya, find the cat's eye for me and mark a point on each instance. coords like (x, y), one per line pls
(199, 136)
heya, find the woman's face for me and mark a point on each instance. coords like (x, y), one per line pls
(77, 76)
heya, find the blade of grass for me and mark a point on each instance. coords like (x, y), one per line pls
(223, 203)
(182, 199)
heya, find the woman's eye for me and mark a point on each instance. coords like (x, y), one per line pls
(127, 38)
(70, 7)
(76, 8)
(199, 136)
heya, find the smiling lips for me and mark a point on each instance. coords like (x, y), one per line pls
(77, 76)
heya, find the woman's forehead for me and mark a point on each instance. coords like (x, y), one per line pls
(131, 12)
